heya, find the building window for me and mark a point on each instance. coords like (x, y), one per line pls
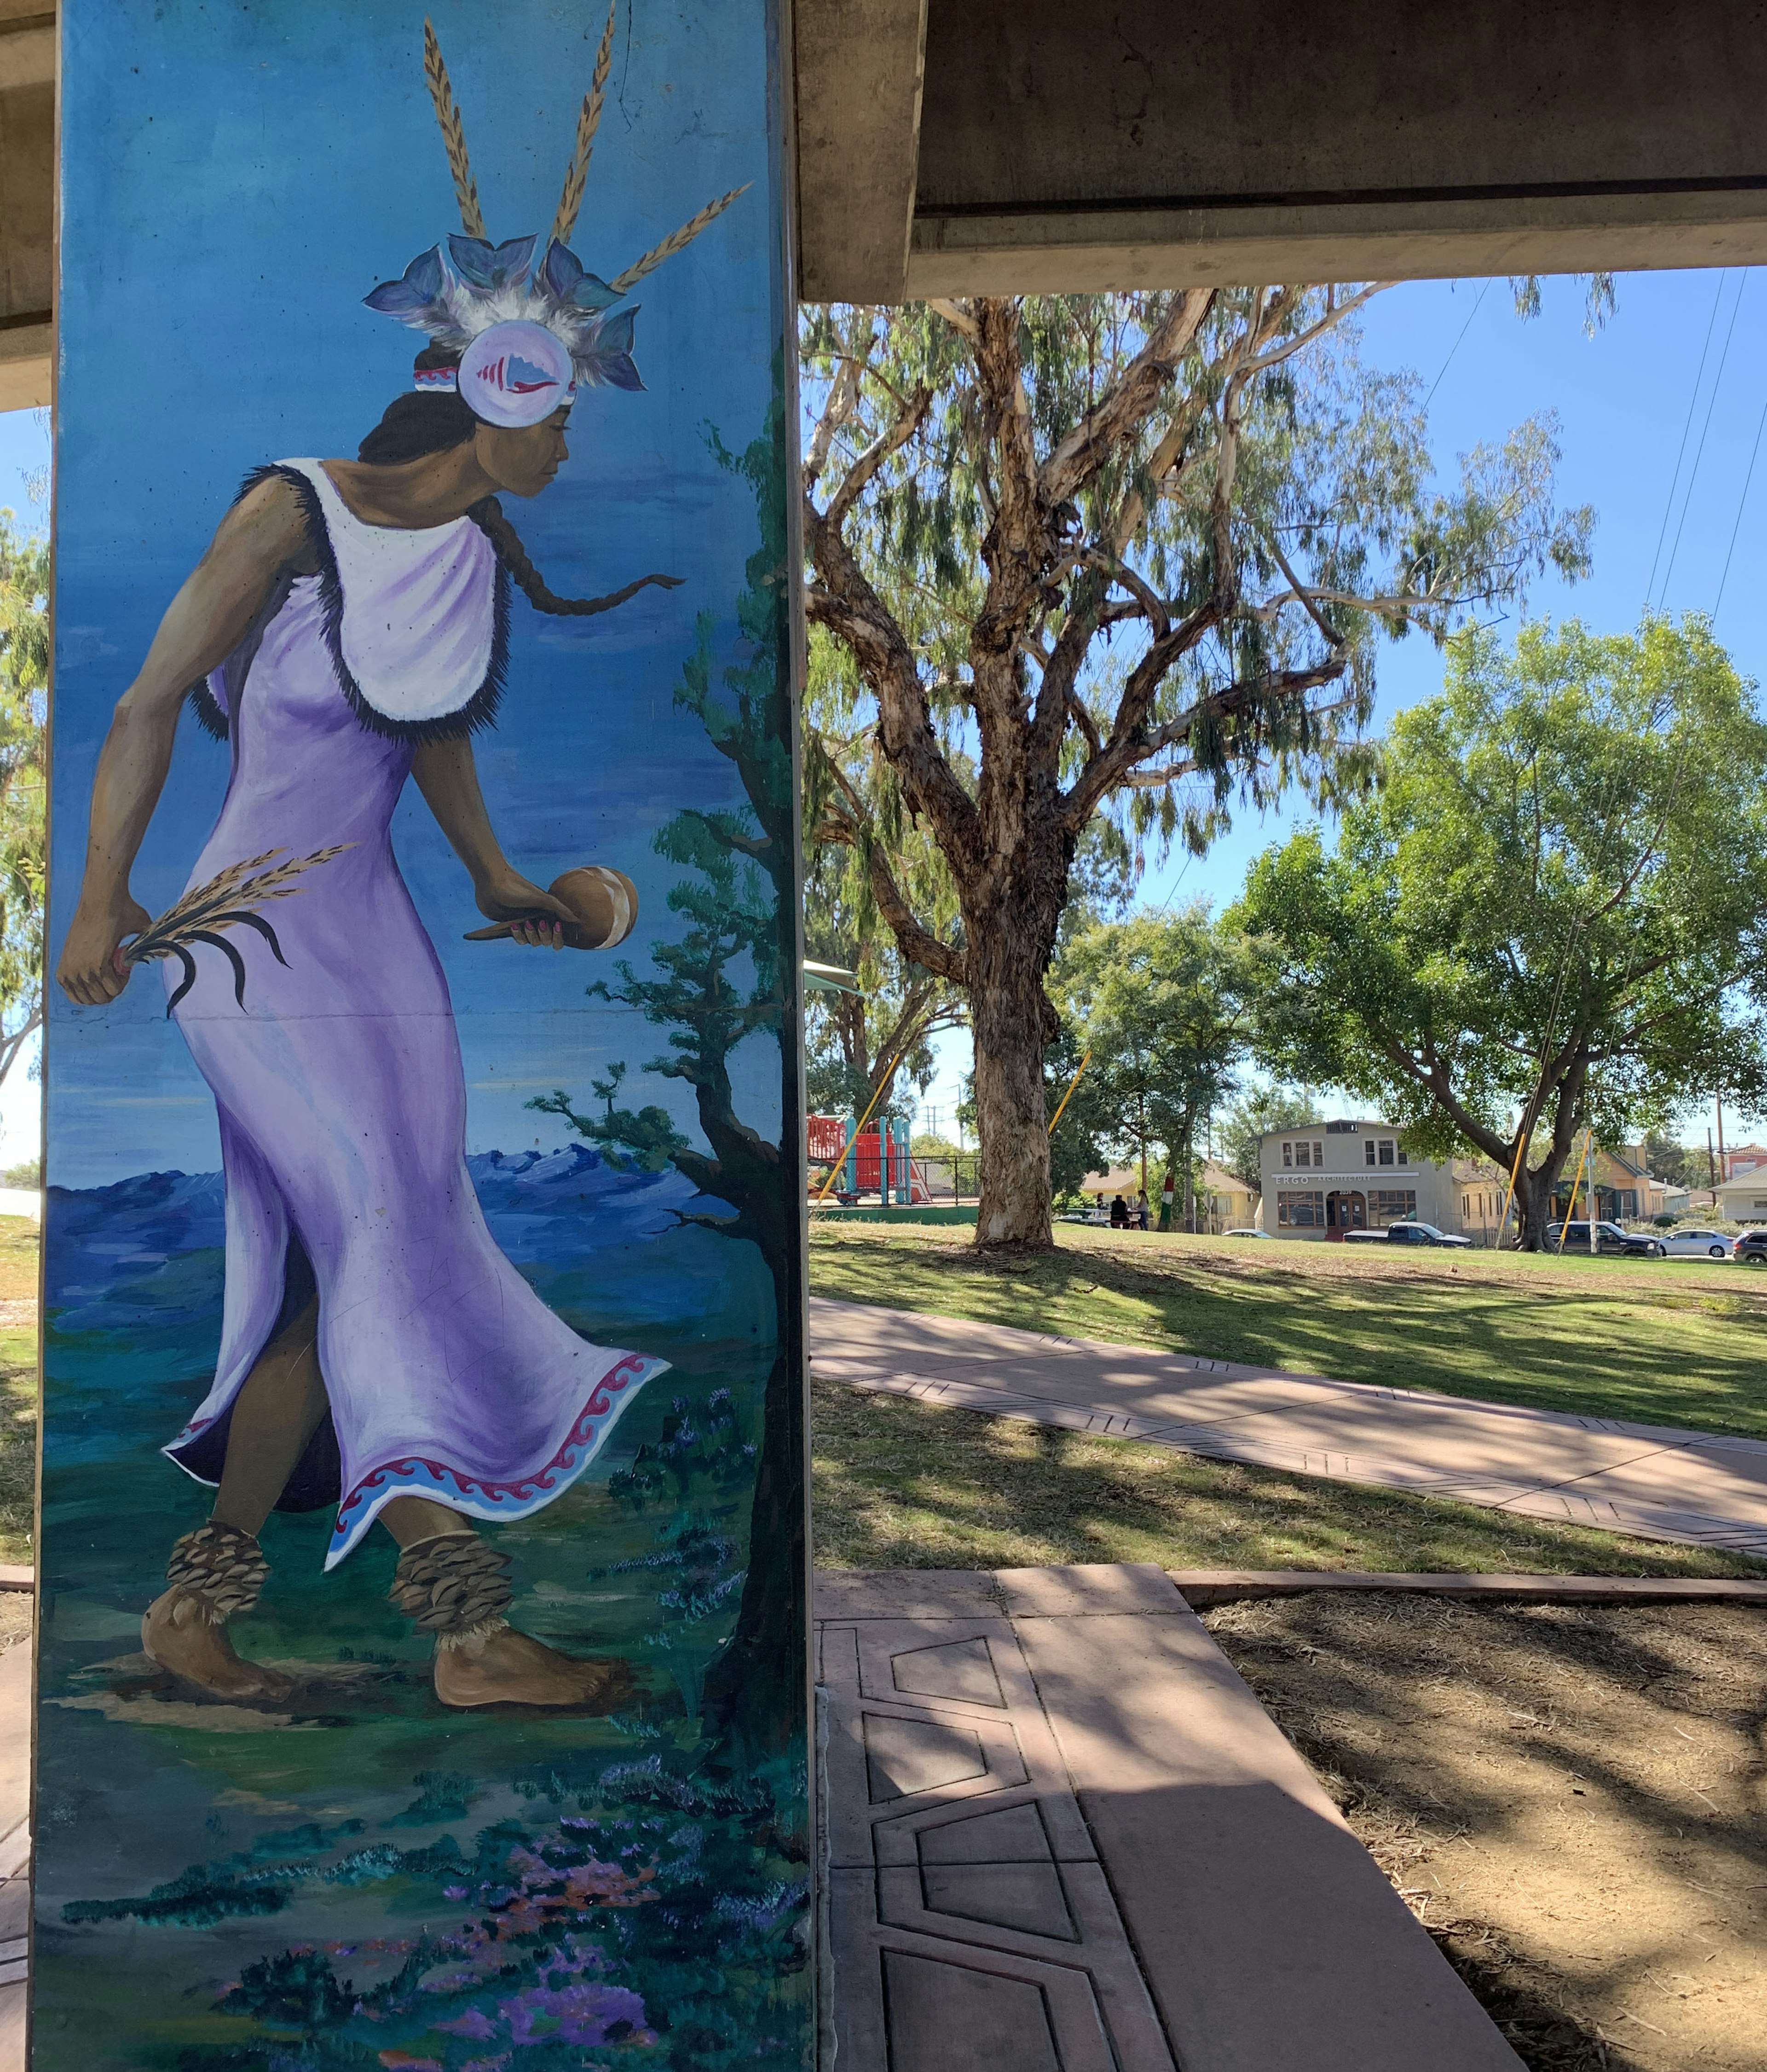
(1393, 1205)
(1287, 1154)
(1404, 1156)
(1319, 1155)
(1368, 1153)
(1303, 1156)
(1300, 1211)
(1386, 1151)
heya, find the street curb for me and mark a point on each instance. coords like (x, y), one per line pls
(1223, 1586)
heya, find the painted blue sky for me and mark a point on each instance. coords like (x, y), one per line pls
(238, 179)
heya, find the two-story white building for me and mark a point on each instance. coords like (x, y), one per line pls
(1337, 1176)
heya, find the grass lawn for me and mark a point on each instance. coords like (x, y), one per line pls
(1660, 1342)
(899, 1484)
(18, 1247)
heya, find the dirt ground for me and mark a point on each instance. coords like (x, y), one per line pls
(1572, 1799)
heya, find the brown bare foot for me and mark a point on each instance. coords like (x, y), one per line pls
(504, 1668)
(176, 1634)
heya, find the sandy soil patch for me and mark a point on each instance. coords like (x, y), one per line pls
(1573, 1798)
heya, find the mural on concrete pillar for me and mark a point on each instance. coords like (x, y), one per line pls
(422, 1663)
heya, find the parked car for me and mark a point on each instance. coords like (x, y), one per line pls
(1611, 1241)
(1408, 1233)
(1685, 1243)
(1245, 1233)
(1752, 1248)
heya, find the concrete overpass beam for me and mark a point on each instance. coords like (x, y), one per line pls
(859, 75)
(27, 156)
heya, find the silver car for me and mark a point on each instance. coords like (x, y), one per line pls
(1685, 1243)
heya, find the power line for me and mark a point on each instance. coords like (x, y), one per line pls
(1712, 402)
(1456, 347)
(1668, 508)
(1741, 501)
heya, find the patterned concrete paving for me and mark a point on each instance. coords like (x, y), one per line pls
(14, 1849)
(1061, 1835)
(1654, 1482)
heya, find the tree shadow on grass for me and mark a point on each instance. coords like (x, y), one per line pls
(1604, 1349)
(905, 1484)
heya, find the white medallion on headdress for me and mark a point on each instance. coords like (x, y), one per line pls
(531, 324)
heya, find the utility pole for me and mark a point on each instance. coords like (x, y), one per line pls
(1712, 1165)
(1723, 1164)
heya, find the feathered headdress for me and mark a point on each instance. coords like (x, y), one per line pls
(529, 322)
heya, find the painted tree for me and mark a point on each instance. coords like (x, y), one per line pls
(1159, 1002)
(1553, 915)
(1124, 555)
(731, 975)
(24, 679)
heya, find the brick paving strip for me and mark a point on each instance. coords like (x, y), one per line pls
(1651, 1481)
(1061, 1832)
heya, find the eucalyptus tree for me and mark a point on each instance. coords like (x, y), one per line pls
(24, 679)
(1123, 556)
(1553, 917)
(855, 1043)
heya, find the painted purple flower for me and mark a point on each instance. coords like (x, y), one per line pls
(582, 2014)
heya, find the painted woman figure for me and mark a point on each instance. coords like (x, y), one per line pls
(347, 628)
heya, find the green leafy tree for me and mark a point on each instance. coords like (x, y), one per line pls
(1553, 915)
(1251, 1118)
(24, 678)
(1680, 1164)
(1119, 557)
(1159, 1002)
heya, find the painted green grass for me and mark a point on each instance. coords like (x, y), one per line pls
(899, 1484)
(19, 1250)
(1658, 1341)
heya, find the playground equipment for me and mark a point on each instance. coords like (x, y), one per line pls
(872, 1160)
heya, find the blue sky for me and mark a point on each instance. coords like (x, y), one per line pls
(318, 171)
(1624, 399)
(1675, 374)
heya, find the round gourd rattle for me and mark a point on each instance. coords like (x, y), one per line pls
(603, 903)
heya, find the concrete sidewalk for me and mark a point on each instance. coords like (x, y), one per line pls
(14, 1849)
(1060, 1832)
(1653, 1481)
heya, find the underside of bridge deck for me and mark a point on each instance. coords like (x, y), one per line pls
(948, 147)
(951, 147)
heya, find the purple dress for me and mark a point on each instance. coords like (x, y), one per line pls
(339, 1084)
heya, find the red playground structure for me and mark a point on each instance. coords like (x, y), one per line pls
(874, 1163)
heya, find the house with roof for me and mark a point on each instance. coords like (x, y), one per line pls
(1334, 1176)
(1625, 1192)
(1742, 1198)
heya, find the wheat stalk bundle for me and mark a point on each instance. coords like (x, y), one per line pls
(225, 900)
(453, 135)
(588, 121)
(622, 283)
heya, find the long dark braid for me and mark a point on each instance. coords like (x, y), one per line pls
(488, 516)
(433, 421)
